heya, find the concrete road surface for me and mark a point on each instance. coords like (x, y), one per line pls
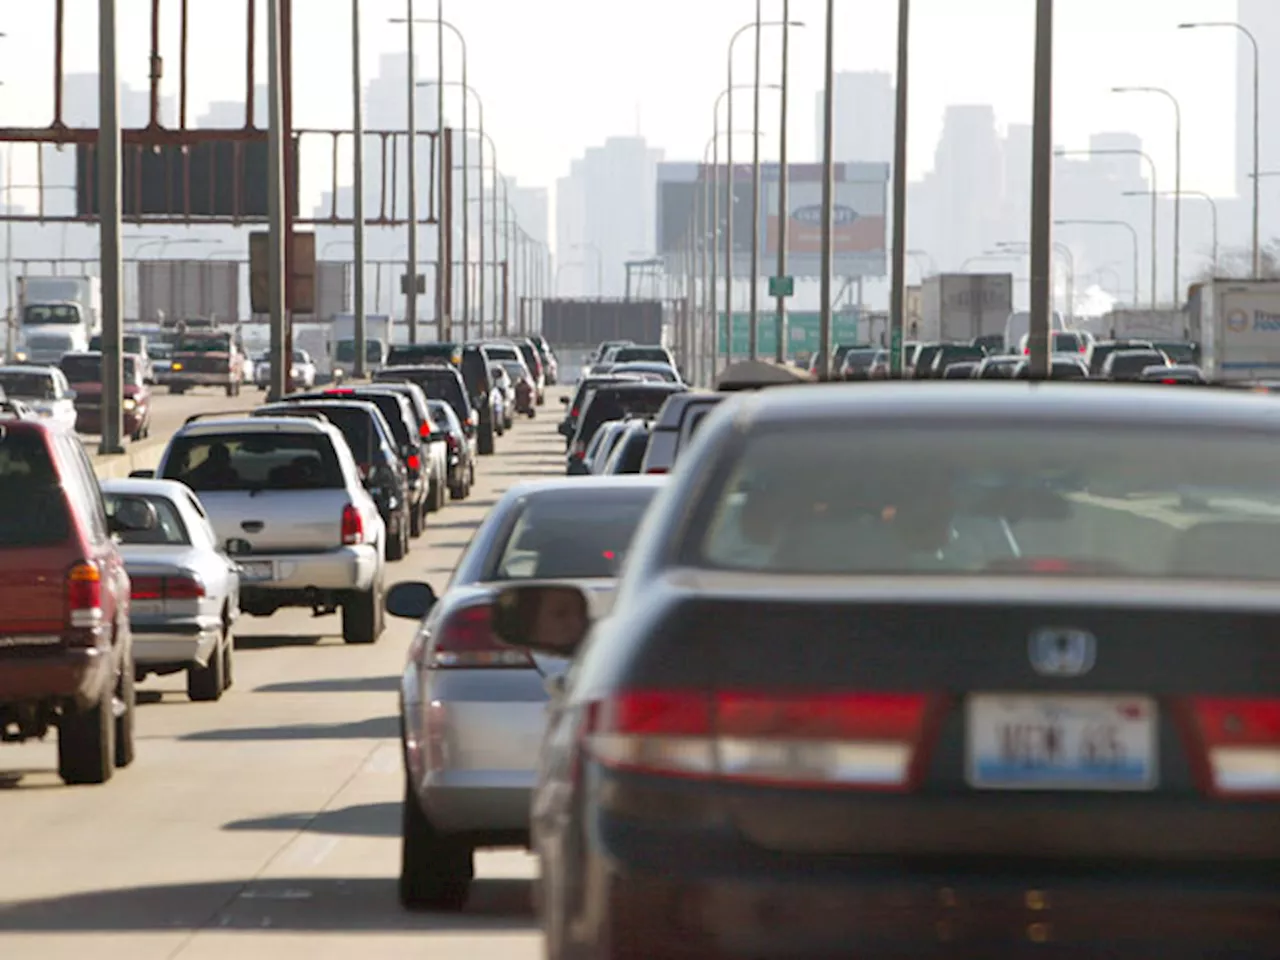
(265, 826)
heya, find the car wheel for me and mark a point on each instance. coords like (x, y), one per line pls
(435, 870)
(86, 742)
(205, 684)
(362, 616)
(396, 546)
(433, 497)
(127, 697)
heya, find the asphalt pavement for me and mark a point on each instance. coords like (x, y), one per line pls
(266, 825)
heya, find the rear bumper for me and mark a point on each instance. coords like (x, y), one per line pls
(188, 640)
(40, 676)
(348, 568)
(184, 379)
(479, 801)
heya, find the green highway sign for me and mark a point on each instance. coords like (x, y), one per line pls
(782, 286)
(803, 334)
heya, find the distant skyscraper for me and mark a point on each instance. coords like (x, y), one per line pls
(864, 118)
(968, 168)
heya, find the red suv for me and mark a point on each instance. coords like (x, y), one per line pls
(66, 655)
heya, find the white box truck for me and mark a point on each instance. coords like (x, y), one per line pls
(342, 342)
(1239, 329)
(56, 315)
(965, 306)
(1131, 324)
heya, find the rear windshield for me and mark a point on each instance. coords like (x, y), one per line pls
(1131, 364)
(346, 351)
(438, 386)
(357, 427)
(500, 353)
(33, 510)
(629, 457)
(394, 409)
(28, 386)
(206, 345)
(637, 354)
(580, 536)
(615, 404)
(254, 461)
(79, 368)
(1098, 356)
(1179, 352)
(132, 343)
(440, 416)
(169, 531)
(998, 499)
(408, 355)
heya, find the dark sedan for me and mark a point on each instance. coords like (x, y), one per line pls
(947, 672)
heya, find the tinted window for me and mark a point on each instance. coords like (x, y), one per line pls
(205, 344)
(169, 531)
(394, 410)
(925, 355)
(1179, 352)
(628, 457)
(997, 498)
(346, 351)
(443, 385)
(83, 368)
(356, 425)
(28, 386)
(956, 353)
(500, 353)
(1132, 363)
(408, 355)
(860, 359)
(636, 354)
(475, 371)
(585, 535)
(33, 509)
(254, 461)
(530, 354)
(612, 403)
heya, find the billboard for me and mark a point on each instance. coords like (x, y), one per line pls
(859, 230)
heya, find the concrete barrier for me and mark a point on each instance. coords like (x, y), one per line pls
(144, 455)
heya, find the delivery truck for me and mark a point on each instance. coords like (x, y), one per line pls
(965, 306)
(1238, 325)
(342, 342)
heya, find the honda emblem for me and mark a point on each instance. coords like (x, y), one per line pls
(1062, 651)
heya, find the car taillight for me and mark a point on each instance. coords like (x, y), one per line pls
(657, 470)
(424, 430)
(452, 441)
(578, 452)
(340, 393)
(1083, 348)
(1168, 380)
(573, 414)
(414, 461)
(857, 741)
(1026, 351)
(352, 525)
(1241, 742)
(84, 595)
(465, 640)
(183, 587)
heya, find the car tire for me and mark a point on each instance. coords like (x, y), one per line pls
(397, 546)
(86, 743)
(485, 440)
(205, 684)
(432, 503)
(435, 870)
(228, 659)
(457, 491)
(127, 693)
(362, 616)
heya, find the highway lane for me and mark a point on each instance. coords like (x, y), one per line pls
(265, 825)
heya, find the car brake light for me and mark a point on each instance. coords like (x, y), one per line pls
(1026, 351)
(573, 414)
(656, 470)
(1084, 348)
(352, 525)
(84, 595)
(414, 462)
(452, 441)
(1169, 380)
(1241, 742)
(340, 393)
(465, 640)
(424, 430)
(146, 588)
(186, 587)
(856, 741)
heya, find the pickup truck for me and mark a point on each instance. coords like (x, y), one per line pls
(206, 358)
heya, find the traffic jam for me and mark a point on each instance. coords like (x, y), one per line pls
(780, 668)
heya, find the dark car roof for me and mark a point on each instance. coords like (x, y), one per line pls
(1012, 401)
(569, 485)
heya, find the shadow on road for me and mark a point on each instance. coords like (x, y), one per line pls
(452, 545)
(364, 820)
(291, 904)
(334, 685)
(456, 525)
(274, 641)
(375, 728)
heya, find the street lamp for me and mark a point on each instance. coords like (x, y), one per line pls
(1067, 255)
(1257, 247)
(1111, 223)
(599, 264)
(756, 24)
(1198, 194)
(1155, 206)
(1177, 185)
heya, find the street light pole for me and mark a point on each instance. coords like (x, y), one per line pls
(1155, 206)
(357, 192)
(1112, 223)
(411, 284)
(753, 333)
(1257, 97)
(1198, 194)
(275, 205)
(828, 194)
(1177, 185)
(109, 151)
(898, 291)
(784, 219)
(1042, 196)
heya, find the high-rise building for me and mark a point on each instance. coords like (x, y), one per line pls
(968, 168)
(605, 215)
(864, 118)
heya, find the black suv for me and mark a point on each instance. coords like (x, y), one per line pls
(617, 401)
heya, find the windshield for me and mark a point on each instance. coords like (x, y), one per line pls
(407, 355)
(995, 499)
(132, 343)
(501, 352)
(38, 314)
(85, 368)
(216, 344)
(28, 386)
(254, 462)
(1131, 363)
(583, 535)
(160, 351)
(345, 352)
(170, 531)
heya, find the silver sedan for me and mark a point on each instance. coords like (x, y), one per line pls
(185, 594)
(473, 710)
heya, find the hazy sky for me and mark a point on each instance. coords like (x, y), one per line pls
(559, 75)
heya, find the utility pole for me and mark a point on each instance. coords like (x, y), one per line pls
(275, 205)
(828, 195)
(753, 334)
(357, 193)
(784, 218)
(109, 151)
(1042, 195)
(898, 290)
(411, 284)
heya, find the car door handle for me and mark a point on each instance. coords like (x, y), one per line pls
(252, 526)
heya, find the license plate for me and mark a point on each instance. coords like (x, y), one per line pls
(1061, 743)
(257, 570)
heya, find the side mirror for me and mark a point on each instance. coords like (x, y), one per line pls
(236, 547)
(410, 600)
(545, 619)
(142, 475)
(133, 514)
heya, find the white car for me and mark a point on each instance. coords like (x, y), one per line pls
(185, 590)
(45, 390)
(303, 372)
